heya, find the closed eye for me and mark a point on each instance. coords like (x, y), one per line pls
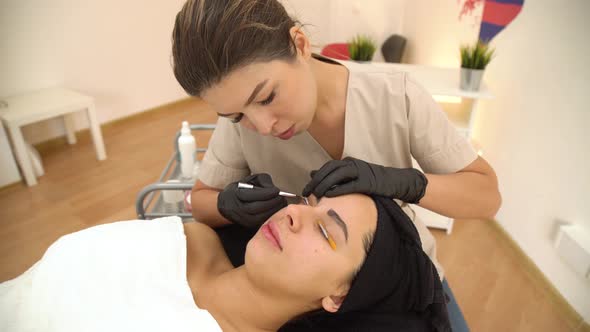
(237, 118)
(323, 231)
(268, 100)
(331, 242)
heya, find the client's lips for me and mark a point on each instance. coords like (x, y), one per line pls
(271, 233)
(288, 133)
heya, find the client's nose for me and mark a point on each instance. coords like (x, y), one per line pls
(294, 215)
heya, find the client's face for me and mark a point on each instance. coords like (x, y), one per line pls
(290, 255)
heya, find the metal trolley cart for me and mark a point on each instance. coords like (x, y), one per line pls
(151, 201)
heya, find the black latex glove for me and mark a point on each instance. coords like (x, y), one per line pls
(350, 175)
(250, 207)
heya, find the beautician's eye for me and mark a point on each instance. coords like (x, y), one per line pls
(237, 118)
(268, 100)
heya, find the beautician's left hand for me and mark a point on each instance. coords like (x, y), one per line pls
(350, 175)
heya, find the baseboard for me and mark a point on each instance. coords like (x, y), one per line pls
(541, 281)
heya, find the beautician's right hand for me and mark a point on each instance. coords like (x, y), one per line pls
(250, 207)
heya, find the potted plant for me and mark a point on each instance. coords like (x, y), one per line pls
(361, 48)
(474, 60)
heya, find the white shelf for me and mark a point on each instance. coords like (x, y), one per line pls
(439, 80)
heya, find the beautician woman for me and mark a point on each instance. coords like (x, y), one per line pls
(287, 112)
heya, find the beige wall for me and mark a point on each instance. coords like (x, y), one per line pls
(434, 31)
(338, 21)
(534, 132)
(117, 51)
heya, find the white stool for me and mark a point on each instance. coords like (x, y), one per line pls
(28, 108)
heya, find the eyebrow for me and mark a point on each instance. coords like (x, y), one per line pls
(339, 222)
(255, 92)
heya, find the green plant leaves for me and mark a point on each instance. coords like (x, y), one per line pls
(477, 56)
(361, 48)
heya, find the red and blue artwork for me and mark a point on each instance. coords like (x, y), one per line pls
(497, 14)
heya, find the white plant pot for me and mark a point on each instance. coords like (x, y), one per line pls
(471, 78)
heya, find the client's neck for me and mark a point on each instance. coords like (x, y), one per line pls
(237, 304)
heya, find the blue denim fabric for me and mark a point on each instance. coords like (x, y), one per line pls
(458, 322)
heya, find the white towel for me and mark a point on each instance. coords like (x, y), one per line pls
(124, 276)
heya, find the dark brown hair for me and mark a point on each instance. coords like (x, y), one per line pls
(211, 38)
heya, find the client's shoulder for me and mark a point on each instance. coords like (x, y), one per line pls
(195, 228)
(202, 238)
(205, 252)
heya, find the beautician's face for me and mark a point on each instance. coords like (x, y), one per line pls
(275, 98)
(301, 263)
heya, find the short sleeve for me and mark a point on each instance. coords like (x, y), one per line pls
(224, 160)
(435, 143)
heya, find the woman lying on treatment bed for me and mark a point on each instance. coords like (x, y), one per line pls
(352, 260)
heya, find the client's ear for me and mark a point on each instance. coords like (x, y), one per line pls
(333, 302)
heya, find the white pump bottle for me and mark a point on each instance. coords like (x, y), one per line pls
(187, 147)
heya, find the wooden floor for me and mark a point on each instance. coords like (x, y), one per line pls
(486, 274)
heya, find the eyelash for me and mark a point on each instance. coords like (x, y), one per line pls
(268, 100)
(237, 118)
(324, 235)
(263, 103)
